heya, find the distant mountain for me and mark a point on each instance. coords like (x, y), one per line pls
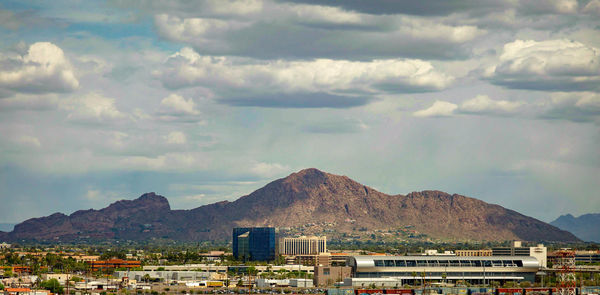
(7, 226)
(309, 196)
(585, 227)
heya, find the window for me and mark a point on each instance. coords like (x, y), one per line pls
(326, 271)
(454, 263)
(411, 263)
(421, 262)
(390, 263)
(400, 263)
(465, 263)
(476, 263)
(444, 263)
(378, 263)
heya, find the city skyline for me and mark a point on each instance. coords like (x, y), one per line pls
(205, 101)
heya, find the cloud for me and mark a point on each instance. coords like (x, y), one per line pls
(547, 65)
(479, 105)
(429, 8)
(438, 109)
(91, 107)
(269, 170)
(177, 105)
(548, 6)
(592, 7)
(176, 137)
(29, 141)
(240, 80)
(291, 30)
(336, 126)
(172, 161)
(482, 104)
(43, 69)
(573, 106)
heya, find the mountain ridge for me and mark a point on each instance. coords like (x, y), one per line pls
(306, 196)
(584, 227)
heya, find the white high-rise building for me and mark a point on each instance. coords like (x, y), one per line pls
(303, 245)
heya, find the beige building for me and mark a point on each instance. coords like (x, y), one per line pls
(303, 245)
(483, 252)
(329, 275)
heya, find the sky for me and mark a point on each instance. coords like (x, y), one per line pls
(204, 101)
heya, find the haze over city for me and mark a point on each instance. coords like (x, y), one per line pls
(204, 101)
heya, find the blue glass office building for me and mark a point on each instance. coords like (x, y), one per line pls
(254, 243)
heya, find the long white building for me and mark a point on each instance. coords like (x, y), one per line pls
(480, 269)
(303, 245)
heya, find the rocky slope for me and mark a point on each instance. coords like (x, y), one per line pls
(308, 196)
(585, 227)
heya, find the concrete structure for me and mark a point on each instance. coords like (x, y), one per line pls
(475, 270)
(516, 249)
(301, 283)
(270, 283)
(4, 245)
(60, 277)
(329, 275)
(166, 275)
(113, 264)
(483, 252)
(254, 243)
(436, 253)
(24, 291)
(303, 245)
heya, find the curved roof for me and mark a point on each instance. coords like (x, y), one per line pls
(369, 260)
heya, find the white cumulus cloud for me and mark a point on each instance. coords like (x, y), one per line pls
(43, 69)
(92, 106)
(547, 65)
(438, 109)
(483, 104)
(177, 105)
(187, 68)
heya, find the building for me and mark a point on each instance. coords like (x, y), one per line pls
(254, 243)
(516, 249)
(166, 275)
(303, 245)
(60, 277)
(483, 252)
(4, 245)
(475, 270)
(329, 275)
(113, 264)
(581, 257)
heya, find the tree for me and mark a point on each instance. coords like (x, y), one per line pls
(1, 286)
(53, 285)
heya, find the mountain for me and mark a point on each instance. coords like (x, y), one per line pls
(6, 226)
(308, 197)
(584, 227)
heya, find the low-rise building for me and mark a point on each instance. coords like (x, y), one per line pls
(475, 270)
(114, 264)
(60, 277)
(482, 252)
(517, 249)
(329, 275)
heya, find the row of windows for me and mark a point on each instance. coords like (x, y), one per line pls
(440, 274)
(448, 263)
